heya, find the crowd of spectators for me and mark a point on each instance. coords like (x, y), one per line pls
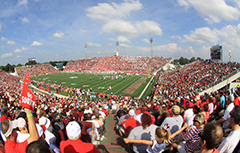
(191, 79)
(116, 64)
(35, 70)
(67, 124)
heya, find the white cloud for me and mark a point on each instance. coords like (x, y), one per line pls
(183, 3)
(41, 51)
(25, 20)
(3, 39)
(18, 56)
(123, 39)
(111, 39)
(7, 55)
(120, 28)
(10, 42)
(17, 51)
(35, 43)
(58, 35)
(83, 31)
(106, 12)
(22, 2)
(93, 44)
(149, 28)
(145, 40)
(201, 35)
(23, 48)
(213, 10)
(124, 45)
(0, 26)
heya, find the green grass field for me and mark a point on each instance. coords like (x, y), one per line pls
(82, 80)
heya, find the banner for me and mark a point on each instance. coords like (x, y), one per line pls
(27, 99)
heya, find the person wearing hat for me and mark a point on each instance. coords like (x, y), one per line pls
(41, 132)
(74, 144)
(232, 140)
(175, 122)
(191, 137)
(23, 131)
(8, 129)
(49, 136)
(129, 123)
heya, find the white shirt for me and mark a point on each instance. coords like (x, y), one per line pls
(22, 137)
(226, 115)
(229, 144)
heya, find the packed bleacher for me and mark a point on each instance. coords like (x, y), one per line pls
(35, 70)
(116, 64)
(175, 119)
(194, 77)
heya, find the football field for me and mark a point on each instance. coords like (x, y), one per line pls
(124, 85)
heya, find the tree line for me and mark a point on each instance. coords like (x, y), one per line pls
(10, 68)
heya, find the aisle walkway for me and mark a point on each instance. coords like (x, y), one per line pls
(112, 143)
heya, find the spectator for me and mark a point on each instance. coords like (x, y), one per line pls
(164, 114)
(229, 144)
(191, 137)
(129, 123)
(23, 131)
(74, 144)
(225, 119)
(210, 138)
(8, 129)
(175, 122)
(41, 132)
(39, 146)
(144, 132)
(156, 145)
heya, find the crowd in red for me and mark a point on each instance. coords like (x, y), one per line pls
(35, 70)
(176, 100)
(127, 64)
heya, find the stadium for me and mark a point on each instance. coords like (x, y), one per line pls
(115, 76)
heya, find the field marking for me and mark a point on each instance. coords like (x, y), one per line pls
(126, 85)
(116, 84)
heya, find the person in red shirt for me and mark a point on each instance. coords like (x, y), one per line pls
(74, 144)
(8, 129)
(130, 123)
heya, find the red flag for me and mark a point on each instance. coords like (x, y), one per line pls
(27, 99)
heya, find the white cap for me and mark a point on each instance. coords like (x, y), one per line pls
(73, 130)
(39, 129)
(131, 112)
(21, 122)
(12, 125)
(44, 121)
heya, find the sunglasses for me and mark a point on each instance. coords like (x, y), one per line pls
(199, 134)
(196, 121)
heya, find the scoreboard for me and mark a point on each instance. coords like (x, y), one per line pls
(216, 52)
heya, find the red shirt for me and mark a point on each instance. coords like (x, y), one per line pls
(129, 124)
(3, 117)
(76, 146)
(14, 147)
(236, 101)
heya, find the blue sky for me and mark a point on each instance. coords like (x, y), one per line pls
(52, 30)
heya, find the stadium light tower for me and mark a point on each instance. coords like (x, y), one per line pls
(151, 41)
(117, 54)
(85, 51)
(229, 55)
